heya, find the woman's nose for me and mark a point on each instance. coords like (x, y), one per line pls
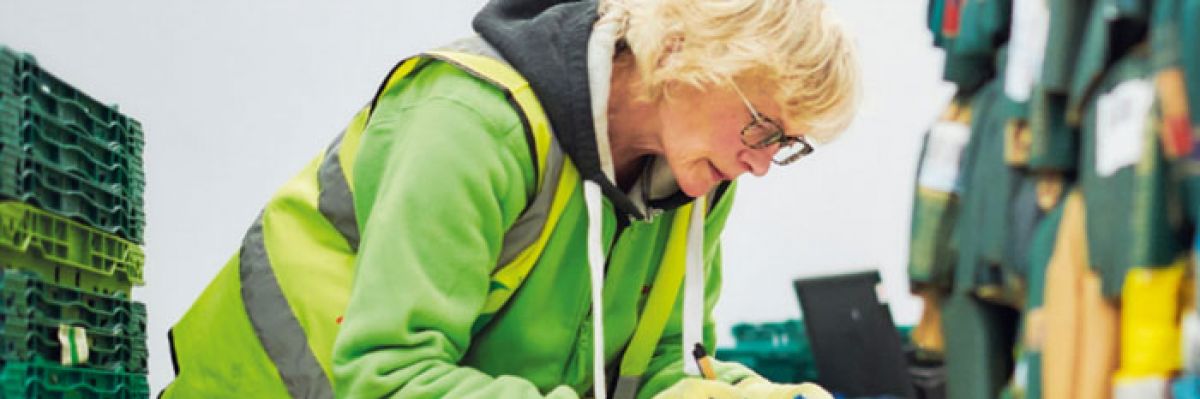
(758, 161)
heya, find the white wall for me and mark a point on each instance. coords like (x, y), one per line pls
(236, 96)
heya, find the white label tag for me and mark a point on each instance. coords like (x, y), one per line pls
(1120, 123)
(939, 168)
(1027, 48)
(74, 343)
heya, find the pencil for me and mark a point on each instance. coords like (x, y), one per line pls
(705, 362)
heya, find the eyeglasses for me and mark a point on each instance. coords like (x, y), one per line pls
(763, 132)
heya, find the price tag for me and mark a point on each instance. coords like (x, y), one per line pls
(1027, 48)
(939, 167)
(1121, 116)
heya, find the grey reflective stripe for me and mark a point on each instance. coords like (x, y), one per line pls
(335, 201)
(474, 45)
(529, 225)
(277, 328)
(627, 387)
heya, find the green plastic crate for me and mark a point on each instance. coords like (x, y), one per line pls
(23, 76)
(786, 334)
(66, 252)
(31, 312)
(8, 70)
(52, 163)
(64, 151)
(778, 351)
(24, 295)
(101, 158)
(51, 381)
(30, 339)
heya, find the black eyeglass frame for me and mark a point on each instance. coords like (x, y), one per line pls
(777, 135)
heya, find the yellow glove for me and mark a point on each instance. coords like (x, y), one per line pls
(695, 388)
(758, 387)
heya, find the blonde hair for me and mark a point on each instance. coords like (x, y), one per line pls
(796, 48)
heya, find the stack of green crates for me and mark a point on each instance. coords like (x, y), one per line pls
(71, 229)
(779, 351)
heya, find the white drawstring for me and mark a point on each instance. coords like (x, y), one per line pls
(601, 46)
(693, 286)
(595, 211)
(601, 50)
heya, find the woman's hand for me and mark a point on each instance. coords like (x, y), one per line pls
(695, 388)
(758, 387)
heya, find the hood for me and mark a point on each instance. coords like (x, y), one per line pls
(547, 42)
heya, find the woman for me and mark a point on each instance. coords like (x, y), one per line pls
(530, 213)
